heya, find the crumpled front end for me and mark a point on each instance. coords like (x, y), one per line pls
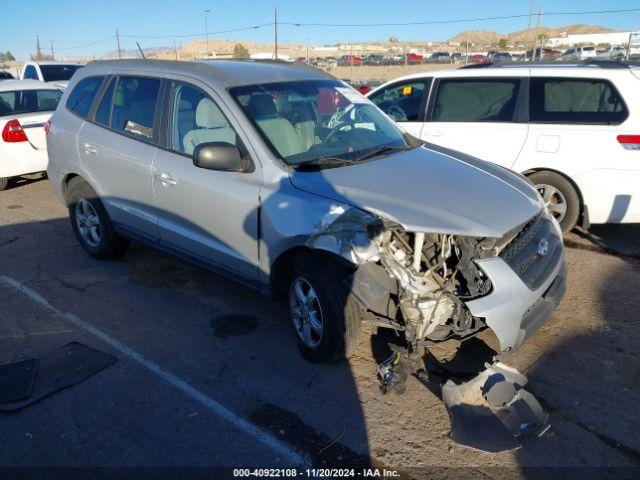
(434, 286)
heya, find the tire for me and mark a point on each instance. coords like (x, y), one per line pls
(562, 192)
(91, 223)
(338, 311)
(4, 182)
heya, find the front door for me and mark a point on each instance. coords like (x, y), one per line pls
(210, 216)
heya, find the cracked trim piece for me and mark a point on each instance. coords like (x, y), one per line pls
(493, 412)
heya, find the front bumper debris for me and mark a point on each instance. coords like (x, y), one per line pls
(493, 412)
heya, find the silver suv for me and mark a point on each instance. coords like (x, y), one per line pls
(289, 180)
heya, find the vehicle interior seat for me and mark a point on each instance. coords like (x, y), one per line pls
(304, 123)
(279, 130)
(211, 126)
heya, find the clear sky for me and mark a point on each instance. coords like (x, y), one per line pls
(72, 23)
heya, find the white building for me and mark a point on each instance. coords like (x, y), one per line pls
(614, 38)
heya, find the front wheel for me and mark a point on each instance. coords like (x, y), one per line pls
(4, 182)
(325, 317)
(559, 196)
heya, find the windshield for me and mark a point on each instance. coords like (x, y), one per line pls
(28, 101)
(303, 122)
(56, 73)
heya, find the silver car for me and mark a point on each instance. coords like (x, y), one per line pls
(290, 181)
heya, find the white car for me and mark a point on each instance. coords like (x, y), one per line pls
(25, 107)
(56, 73)
(573, 130)
(578, 53)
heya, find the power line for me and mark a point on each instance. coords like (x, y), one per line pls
(461, 20)
(354, 25)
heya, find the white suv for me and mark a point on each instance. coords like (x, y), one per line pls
(574, 130)
(56, 73)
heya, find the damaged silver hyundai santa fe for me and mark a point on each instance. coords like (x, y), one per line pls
(290, 181)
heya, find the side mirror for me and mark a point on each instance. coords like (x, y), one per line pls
(220, 156)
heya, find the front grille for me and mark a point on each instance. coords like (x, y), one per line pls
(529, 256)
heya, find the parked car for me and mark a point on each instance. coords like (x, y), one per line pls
(373, 60)
(412, 58)
(56, 73)
(543, 54)
(4, 75)
(572, 130)
(612, 53)
(499, 56)
(441, 57)
(578, 53)
(456, 57)
(346, 60)
(477, 59)
(25, 106)
(291, 181)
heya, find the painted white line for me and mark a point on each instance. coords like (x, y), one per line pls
(239, 422)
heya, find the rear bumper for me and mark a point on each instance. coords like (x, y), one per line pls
(22, 160)
(512, 310)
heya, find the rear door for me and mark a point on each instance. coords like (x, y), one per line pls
(575, 121)
(481, 116)
(116, 146)
(405, 102)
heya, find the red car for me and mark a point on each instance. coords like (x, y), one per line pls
(478, 59)
(346, 60)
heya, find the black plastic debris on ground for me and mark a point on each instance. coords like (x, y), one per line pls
(61, 369)
(17, 379)
(493, 412)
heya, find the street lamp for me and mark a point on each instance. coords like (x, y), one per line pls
(206, 30)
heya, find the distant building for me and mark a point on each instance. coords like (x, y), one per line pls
(614, 38)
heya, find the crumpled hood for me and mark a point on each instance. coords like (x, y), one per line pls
(432, 190)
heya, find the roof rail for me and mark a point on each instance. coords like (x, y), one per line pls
(591, 62)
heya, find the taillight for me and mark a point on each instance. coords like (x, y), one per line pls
(47, 127)
(13, 132)
(630, 142)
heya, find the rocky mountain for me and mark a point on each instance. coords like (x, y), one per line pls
(490, 37)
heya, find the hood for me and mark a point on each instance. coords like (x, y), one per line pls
(432, 190)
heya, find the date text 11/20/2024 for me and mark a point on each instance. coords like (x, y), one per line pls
(315, 473)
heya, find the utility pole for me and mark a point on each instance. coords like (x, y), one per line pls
(206, 29)
(53, 55)
(529, 28)
(38, 51)
(308, 40)
(275, 31)
(175, 48)
(118, 45)
(466, 50)
(538, 32)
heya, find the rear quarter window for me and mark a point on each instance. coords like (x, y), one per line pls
(576, 101)
(83, 94)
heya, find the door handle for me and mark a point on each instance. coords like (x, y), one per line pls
(165, 178)
(88, 148)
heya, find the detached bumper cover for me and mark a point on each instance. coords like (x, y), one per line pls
(513, 310)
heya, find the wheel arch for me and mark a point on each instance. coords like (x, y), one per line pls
(282, 267)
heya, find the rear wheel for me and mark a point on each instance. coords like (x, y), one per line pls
(560, 197)
(325, 317)
(4, 182)
(91, 222)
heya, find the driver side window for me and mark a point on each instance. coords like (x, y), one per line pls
(403, 101)
(196, 119)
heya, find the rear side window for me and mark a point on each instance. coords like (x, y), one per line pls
(575, 101)
(81, 98)
(56, 73)
(475, 100)
(402, 101)
(28, 101)
(134, 106)
(30, 72)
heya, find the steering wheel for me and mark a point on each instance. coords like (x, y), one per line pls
(397, 113)
(341, 127)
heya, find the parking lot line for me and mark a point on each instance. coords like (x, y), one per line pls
(237, 421)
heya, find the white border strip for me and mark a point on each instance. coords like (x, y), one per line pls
(237, 421)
